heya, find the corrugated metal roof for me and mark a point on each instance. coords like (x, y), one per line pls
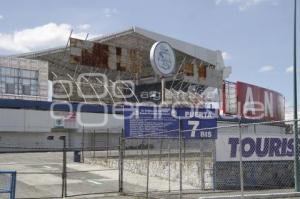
(210, 56)
(213, 57)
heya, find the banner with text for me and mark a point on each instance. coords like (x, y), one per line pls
(264, 146)
(158, 121)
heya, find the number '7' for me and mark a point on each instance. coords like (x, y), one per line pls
(194, 125)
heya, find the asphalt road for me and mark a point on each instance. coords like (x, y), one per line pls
(39, 176)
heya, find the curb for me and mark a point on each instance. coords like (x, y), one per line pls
(256, 196)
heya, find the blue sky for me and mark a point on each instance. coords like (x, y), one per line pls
(255, 35)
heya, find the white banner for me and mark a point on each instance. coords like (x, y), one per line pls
(256, 146)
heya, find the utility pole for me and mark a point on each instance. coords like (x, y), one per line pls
(296, 150)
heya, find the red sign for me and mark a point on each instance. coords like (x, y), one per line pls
(255, 102)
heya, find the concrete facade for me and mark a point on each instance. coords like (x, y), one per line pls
(30, 129)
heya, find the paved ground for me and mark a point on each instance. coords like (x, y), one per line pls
(39, 176)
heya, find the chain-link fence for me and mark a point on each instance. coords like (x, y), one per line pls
(38, 173)
(160, 166)
(62, 171)
(90, 171)
(246, 158)
(255, 158)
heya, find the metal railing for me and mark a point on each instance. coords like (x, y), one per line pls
(8, 183)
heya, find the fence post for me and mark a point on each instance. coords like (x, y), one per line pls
(169, 162)
(202, 165)
(161, 146)
(121, 159)
(214, 166)
(184, 150)
(180, 160)
(142, 148)
(107, 143)
(241, 161)
(82, 144)
(13, 185)
(137, 147)
(94, 144)
(148, 165)
(64, 171)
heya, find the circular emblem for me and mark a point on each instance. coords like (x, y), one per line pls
(162, 58)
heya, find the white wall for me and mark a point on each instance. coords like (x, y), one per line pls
(29, 141)
(20, 120)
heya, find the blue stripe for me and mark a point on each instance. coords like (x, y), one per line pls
(45, 106)
(88, 108)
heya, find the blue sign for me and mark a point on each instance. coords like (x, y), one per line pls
(158, 121)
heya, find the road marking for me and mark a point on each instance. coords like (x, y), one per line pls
(105, 179)
(99, 181)
(47, 167)
(8, 163)
(258, 195)
(94, 181)
(28, 164)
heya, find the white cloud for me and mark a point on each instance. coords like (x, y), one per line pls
(289, 112)
(108, 12)
(45, 36)
(289, 69)
(244, 4)
(1, 17)
(266, 68)
(226, 56)
(84, 26)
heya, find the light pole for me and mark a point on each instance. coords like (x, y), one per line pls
(296, 150)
